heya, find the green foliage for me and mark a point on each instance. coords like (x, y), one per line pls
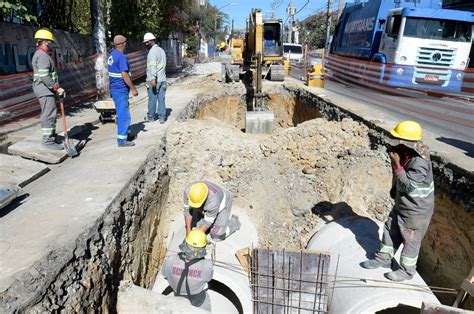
(313, 29)
(17, 11)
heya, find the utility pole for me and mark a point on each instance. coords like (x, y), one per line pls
(291, 10)
(328, 25)
(275, 5)
(340, 6)
(101, 71)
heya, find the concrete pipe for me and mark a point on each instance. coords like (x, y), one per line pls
(356, 289)
(229, 290)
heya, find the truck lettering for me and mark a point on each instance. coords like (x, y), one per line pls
(362, 25)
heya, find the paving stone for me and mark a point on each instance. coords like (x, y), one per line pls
(31, 148)
(15, 170)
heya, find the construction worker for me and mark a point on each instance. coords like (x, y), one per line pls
(413, 191)
(45, 87)
(208, 206)
(120, 86)
(225, 56)
(155, 79)
(188, 272)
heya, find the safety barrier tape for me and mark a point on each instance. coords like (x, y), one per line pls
(372, 71)
(78, 78)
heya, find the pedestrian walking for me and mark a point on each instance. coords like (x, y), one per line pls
(46, 86)
(120, 86)
(188, 272)
(413, 190)
(155, 79)
(208, 206)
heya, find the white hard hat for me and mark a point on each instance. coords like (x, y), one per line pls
(148, 36)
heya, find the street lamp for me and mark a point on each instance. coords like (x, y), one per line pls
(217, 16)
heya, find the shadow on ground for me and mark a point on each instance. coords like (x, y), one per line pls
(466, 146)
(341, 213)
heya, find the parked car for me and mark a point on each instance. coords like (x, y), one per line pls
(293, 52)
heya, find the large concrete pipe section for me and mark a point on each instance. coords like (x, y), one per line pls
(356, 289)
(229, 289)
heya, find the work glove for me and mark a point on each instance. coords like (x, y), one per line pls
(61, 92)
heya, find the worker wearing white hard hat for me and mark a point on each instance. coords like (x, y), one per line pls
(155, 79)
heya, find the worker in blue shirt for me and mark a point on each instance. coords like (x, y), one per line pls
(120, 86)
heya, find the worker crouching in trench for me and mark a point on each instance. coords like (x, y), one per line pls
(207, 206)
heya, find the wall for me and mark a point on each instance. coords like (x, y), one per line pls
(17, 47)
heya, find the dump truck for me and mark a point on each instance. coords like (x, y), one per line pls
(419, 44)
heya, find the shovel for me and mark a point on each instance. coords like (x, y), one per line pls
(70, 149)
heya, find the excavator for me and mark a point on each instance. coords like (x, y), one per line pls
(263, 56)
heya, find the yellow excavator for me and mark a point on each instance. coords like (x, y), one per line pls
(263, 56)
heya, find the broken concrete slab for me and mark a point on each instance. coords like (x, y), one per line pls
(15, 170)
(8, 194)
(134, 299)
(31, 148)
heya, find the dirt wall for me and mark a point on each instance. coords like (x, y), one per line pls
(84, 276)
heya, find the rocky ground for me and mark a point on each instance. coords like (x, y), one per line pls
(288, 181)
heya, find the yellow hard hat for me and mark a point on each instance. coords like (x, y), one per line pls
(45, 35)
(407, 130)
(196, 238)
(197, 194)
(222, 45)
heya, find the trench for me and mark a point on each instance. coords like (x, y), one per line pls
(128, 242)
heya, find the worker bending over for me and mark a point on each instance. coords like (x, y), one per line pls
(413, 190)
(225, 56)
(188, 272)
(208, 206)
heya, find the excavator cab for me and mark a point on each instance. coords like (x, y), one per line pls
(272, 39)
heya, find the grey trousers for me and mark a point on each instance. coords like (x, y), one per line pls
(400, 229)
(48, 117)
(224, 225)
(200, 300)
(226, 71)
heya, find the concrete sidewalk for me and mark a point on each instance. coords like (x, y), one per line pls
(56, 208)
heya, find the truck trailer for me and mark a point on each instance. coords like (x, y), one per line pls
(416, 43)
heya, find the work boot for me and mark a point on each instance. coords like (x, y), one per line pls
(234, 223)
(162, 121)
(398, 275)
(48, 143)
(53, 146)
(375, 263)
(126, 144)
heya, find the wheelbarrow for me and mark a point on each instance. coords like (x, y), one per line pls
(106, 109)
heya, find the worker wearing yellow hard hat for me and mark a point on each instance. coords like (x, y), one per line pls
(209, 206)
(46, 87)
(413, 191)
(188, 272)
(225, 56)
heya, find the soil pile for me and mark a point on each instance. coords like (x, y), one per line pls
(288, 181)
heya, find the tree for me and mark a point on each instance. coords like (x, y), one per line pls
(313, 29)
(17, 11)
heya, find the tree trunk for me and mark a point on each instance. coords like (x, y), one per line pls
(98, 32)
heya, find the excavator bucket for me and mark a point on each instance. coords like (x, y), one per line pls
(259, 122)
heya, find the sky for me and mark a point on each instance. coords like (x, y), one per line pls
(242, 8)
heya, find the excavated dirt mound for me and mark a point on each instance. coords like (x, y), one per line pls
(285, 179)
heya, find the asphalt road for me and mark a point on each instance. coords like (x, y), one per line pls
(450, 118)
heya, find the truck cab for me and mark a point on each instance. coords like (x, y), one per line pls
(430, 48)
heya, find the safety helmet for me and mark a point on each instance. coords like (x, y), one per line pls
(148, 36)
(197, 194)
(407, 130)
(194, 245)
(222, 45)
(44, 34)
